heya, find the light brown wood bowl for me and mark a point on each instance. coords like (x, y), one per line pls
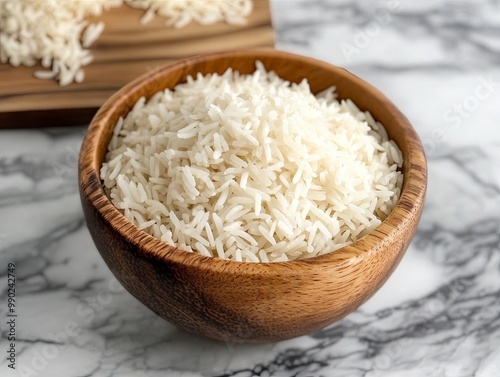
(251, 302)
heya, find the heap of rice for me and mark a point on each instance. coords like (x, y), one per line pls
(55, 32)
(179, 13)
(252, 168)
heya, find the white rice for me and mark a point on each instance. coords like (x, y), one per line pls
(56, 32)
(51, 31)
(179, 13)
(252, 168)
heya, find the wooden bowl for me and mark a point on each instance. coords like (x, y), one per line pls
(251, 302)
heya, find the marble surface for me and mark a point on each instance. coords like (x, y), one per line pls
(438, 315)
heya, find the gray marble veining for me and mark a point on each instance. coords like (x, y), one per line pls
(438, 315)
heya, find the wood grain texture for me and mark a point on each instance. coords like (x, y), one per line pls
(124, 51)
(251, 302)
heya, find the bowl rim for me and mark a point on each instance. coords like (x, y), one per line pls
(407, 210)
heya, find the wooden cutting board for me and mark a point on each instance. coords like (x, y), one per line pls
(125, 50)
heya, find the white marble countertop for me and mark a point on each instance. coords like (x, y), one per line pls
(438, 315)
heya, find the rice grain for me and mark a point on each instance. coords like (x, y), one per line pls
(253, 168)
